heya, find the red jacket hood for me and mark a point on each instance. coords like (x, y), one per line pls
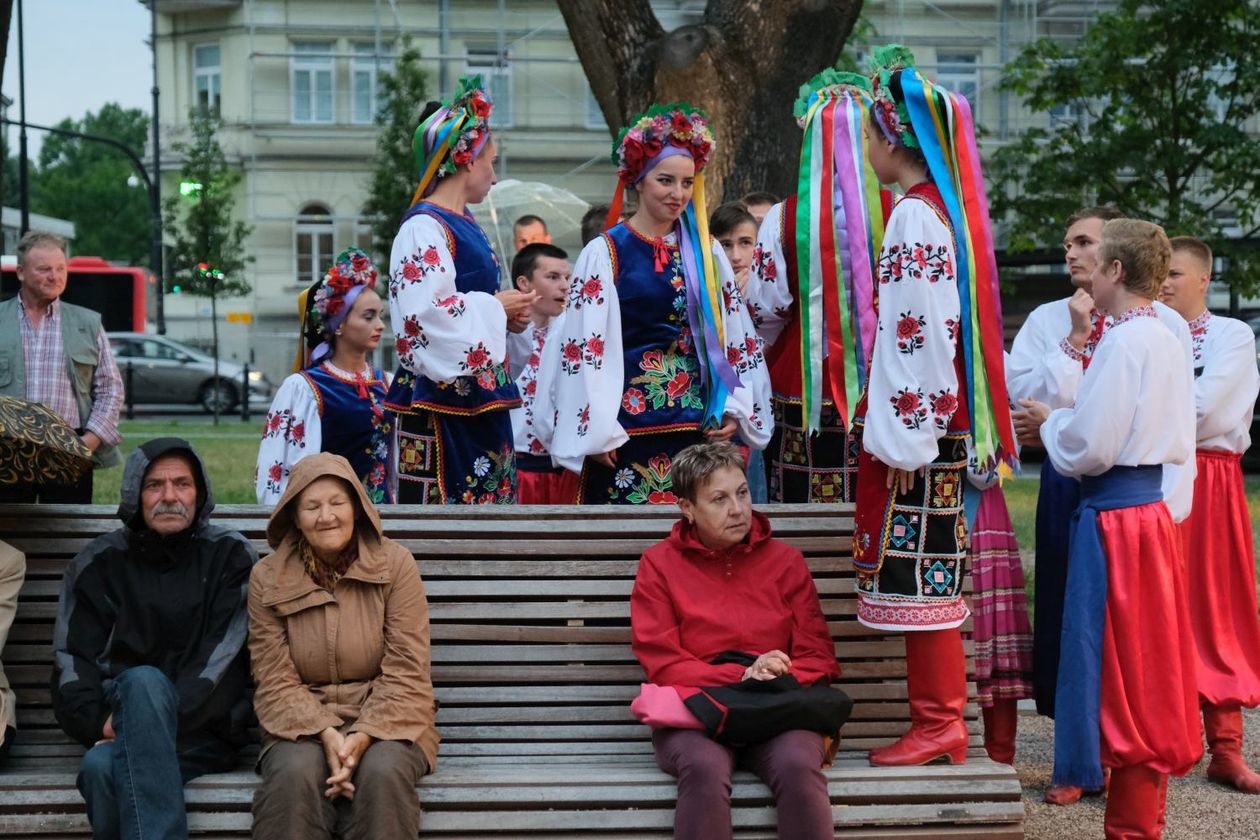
(684, 538)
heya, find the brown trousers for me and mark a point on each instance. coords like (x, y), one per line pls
(290, 802)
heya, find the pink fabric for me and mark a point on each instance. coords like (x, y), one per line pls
(661, 707)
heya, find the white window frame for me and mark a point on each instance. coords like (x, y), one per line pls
(958, 69)
(365, 61)
(313, 221)
(496, 75)
(313, 58)
(212, 75)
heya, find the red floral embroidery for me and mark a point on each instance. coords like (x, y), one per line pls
(733, 355)
(571, 357)
(476, 358)
(910, 335)
(297, 432)
(678, 385)
(944, 404)
(593, 351)
(633, 402)
(662, 497)
(909, 407)
(275, 472)
(430, 256)
(411, 272)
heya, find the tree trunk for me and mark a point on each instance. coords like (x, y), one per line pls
(743, 65)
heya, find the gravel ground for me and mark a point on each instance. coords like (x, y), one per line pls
(1197, 808)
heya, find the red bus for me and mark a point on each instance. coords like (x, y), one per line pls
(119, 293)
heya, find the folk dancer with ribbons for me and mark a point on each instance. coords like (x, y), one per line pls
(1216, 538)
(333, 403)
(655, 350)
(935, 397)
(810, 294)
(1127, 690)
(450, 318)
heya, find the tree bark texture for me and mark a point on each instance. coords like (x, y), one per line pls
(742, 64)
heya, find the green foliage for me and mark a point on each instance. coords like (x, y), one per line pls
(402, 99)
(1159, 95)
(86, 182)
(857, 44)
(201, 223)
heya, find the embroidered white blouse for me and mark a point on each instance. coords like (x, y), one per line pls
(913, 389)
(1133, 406)
(567, 430)
(1226, 381)
(434, 325)
(769, 294)
(529, 344)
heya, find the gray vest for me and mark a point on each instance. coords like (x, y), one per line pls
(79, 330)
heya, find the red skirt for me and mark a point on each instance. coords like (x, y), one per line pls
(1150, 707)
(547, 488)
(1220, 559)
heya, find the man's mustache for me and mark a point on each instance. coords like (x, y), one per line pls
(173, 507)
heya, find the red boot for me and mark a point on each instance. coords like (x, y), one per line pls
(1224, 728)
(936, 678)
(1135, 805)
(1000, 721)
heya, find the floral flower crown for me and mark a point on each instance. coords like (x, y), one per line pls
(352, 268)
(676, 124)
(475, 102)
(828, 79)
(889, 106)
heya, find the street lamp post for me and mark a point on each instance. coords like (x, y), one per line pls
(155, 185)
(24, 184)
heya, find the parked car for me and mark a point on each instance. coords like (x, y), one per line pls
(165, 371)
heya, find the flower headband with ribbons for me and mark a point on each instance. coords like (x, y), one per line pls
(938, 123)
(325, 305)
(839, 228)
(452, 136)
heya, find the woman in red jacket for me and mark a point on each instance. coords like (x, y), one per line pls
(720, 583)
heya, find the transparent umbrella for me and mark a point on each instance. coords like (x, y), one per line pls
(511, 199)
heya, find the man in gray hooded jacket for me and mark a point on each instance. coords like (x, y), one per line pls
(151, 672)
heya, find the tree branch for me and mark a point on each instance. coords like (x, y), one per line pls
(614, 40)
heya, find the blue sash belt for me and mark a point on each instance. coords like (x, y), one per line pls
(1077, 751)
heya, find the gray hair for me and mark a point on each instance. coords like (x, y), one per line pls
(693, 466)
(38, 239)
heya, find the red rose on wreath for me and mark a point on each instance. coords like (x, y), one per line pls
(276, 472)
(907, 402)
(335, 305)
(572, 352)
(430, 256)
(907, 326)
(411, 271)
(462, 157)
(480, 107)
(678, 385)
(478, 357)
(662, 497)
(680, 123)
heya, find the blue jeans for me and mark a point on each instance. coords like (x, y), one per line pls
(757, 477)
(128, 783)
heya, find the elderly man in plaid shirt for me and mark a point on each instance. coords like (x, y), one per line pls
(57, 354)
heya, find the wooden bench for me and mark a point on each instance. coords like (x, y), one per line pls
(534, 673)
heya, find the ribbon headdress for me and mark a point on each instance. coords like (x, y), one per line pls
(325, 305)
(661, 132)
(916, 113)
(839, 229)
(453, 135)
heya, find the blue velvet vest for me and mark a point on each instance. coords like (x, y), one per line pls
(662, 390)
(476, 270)
(356, 428)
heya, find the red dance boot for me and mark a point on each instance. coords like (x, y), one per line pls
(1224, 728)
(936, 679)
(1000, 722)
(1134, 806)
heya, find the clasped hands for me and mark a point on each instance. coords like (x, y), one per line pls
(343, 754)
(768, 666)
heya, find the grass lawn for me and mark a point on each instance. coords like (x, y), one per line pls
(230, 451)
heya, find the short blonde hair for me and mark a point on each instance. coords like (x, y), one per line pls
(38, 239)
(693, 466)
(1142, 249)
(1195, 247)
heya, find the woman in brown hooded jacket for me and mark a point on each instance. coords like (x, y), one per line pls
(339, 645)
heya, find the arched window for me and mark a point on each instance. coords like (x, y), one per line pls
(313, 241)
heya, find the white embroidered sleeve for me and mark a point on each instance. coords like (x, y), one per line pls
(1038, 366)
(769, 291)
(750, 403)
(913, 390)
(291, 432)
(581, 378)
(439, 331)
(1225, 393)
(1088, 438)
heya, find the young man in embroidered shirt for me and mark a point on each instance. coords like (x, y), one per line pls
(542, 268)
(1216, 538)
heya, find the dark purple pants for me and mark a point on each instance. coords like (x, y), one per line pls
(790, 765)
